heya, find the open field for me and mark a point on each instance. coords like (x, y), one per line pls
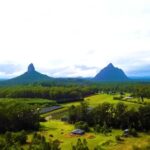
(56, 129)
(101, 98)
(95, 100)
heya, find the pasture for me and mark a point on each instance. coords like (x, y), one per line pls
(55, 129)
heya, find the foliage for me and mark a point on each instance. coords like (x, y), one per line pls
(118, 138)
(39, 143)
(106, 115)
(18, 116)
(102, 129)
(82, 125)
(80, 145)
(59, 93)
(133, 132)
(13, 141)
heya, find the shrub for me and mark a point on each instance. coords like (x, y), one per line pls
(97, 128)
(98, 148)
(80, 145)
(82, 125)
(133, 132)
(118, 138)
(20, 137)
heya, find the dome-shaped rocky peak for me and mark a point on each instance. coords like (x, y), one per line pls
(31, 68)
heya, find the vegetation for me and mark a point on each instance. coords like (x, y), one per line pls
(80, 145)
(61, 94)
(39, 143)
(103, 113)
(31, 101)
(107, 114)
(13, 140)
(18, 116)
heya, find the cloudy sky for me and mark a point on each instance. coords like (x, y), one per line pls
(74, 37)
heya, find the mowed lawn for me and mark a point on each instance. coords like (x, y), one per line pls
(55, 129)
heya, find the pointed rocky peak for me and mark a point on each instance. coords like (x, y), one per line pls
(110, 65)
(31, 68)
(111, 73)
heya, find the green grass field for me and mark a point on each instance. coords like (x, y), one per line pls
(55, 129)
(101, 98)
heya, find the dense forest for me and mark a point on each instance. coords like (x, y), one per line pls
(65, 92)
(111, 116)
(59, 93)
(18, 116)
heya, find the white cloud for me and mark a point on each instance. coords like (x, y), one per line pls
(57, 34)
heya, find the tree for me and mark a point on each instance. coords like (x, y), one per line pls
(80, 145)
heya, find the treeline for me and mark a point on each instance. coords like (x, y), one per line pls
(61, 94)
(67, 92)
(113, 116)
(18, 116)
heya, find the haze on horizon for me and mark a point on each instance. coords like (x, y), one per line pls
(74, 38)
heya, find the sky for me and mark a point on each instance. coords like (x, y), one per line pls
(67, 38)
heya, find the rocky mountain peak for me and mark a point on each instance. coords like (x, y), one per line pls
(31, 68)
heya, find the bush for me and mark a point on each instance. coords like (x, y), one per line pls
(133, 132)
(118, 138)
(82, 125)
(20, 137)
(105, 129)
(80, 145)
(97, 128)
(98, 148)
(39, 143)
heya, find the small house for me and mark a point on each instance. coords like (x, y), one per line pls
(126, 132)
(78, 132)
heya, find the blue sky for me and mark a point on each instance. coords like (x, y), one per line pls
(74, 38)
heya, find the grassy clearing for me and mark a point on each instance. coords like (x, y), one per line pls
(56, 129)
(101, 98)
(95, 100)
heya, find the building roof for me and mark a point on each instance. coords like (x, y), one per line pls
(78, 131)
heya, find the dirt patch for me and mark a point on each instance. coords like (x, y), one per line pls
(72, 135)
(89, 136)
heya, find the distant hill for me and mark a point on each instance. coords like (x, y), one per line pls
(30, 76)
(111, 73)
